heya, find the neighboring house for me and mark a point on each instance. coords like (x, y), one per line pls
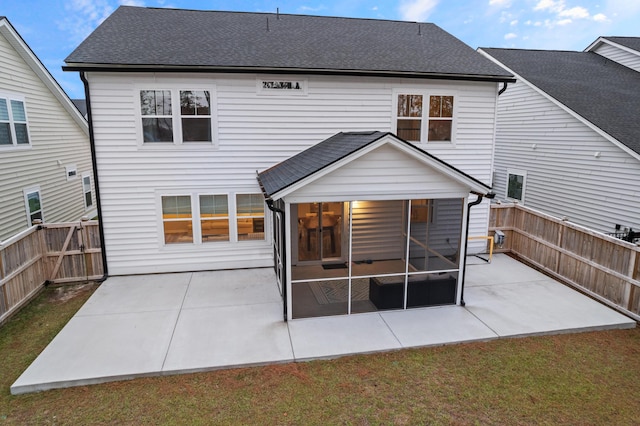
(187, 107)
(45, 157)
(568, 134)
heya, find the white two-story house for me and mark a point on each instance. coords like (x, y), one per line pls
(568, 134)
(45, 158)
(350, 153)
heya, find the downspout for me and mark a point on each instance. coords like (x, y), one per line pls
(490, 195)
(504, 88)
(283, 255)
(94, 164)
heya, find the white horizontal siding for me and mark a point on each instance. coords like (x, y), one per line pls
(623, 57)
(254, 133)
(384, 172)
(55, 136)
(564, 177)
(378, 230)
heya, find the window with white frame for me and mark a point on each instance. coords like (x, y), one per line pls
(209, 218)
(250, 216)
(156, 110)
(411, 115)
(86, 190)
(214, 218)
(516, 180)
(33, 205)
(176, 219)
(72, 172)
(13, 123)
(192, 108)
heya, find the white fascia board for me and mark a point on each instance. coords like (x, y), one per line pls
(577, 116)
(12, 36)
(604, 40)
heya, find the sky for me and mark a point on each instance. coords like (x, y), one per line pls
(54, 28)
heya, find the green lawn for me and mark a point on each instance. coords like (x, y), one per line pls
(578, 379)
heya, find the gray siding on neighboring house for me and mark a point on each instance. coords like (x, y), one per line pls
(57, 141)
(622, 56)
(564, 177)
(254, 131)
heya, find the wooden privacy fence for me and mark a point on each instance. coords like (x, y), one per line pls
(52, 252)
(604, 267)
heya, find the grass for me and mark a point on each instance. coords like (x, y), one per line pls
(577, 379)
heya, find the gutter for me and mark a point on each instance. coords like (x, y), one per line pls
(283, 255)
(272, 70)
(478, 200)
(94, 164)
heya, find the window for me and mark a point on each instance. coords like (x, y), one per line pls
(440, 118)
(214, 218)
(250, 216)
(516, 185)
(34, 206)
(176, 219)
(409, 125)
(202, 218)
(411, 116)
(13, 123)
(86, 189)
(193, 110)
(157, 124)
(72, 172)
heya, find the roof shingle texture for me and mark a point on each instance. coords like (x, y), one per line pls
(314, 159)
(630, 42)
(136, 36)
(603, 92)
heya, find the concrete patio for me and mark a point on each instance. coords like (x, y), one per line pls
(151, 325)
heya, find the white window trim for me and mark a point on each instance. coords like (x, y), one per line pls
(26, 192)
(71, 168)
(15, 146)
(84, 192)
(176, 118)
(516, 172)
(424, 128)
(195, 219)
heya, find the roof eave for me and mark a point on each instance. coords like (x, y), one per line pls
(90, 67)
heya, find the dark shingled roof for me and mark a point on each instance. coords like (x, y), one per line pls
(81, 104)
(630, 42)
(326, 153)
(602, 91)
(136, 37)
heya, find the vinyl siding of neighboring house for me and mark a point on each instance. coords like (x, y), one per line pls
(564, 174)
(253, 132)
(57, 141)
(626, 57)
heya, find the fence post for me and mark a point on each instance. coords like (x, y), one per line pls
(629, 291)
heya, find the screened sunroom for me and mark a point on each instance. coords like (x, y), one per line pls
(365, 222)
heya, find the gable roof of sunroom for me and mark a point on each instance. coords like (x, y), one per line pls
(284, 178)
(152, 39)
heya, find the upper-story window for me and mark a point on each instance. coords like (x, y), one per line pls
(412, 115)
(193, 111)
(13, 123)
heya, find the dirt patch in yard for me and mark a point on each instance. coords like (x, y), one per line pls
(63, 293)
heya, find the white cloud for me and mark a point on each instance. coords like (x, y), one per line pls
(510, 36)
(502, 3)
(310, 9)
(575, 13)
(83, 16)
(600, 17)
(550, 5)
(564, 22)
(514, 22)
(417, 10)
